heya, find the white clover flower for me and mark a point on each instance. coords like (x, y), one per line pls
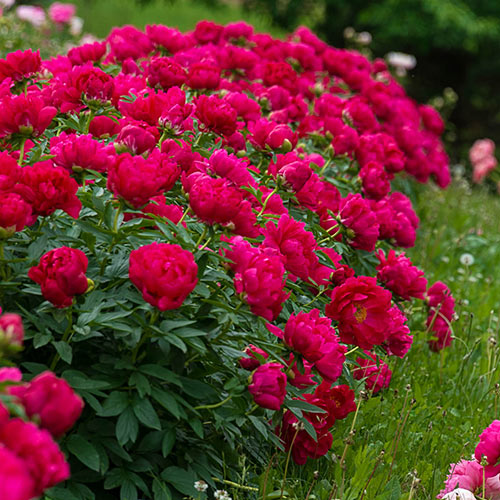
(466, 259)
(200, 486)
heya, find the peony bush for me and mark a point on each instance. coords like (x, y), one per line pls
(203, 238)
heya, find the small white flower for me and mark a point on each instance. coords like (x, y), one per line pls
(222, 495)
(76, 25)
(459, 494)
(466, 259)
(200, 486)
(364, 38)
(401, 60)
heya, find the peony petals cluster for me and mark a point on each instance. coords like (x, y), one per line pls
(61, 275)
(165, 274)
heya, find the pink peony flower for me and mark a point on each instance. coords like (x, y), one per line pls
(31, 14)
(165, 274)
(61, 13)
(268, 386)
(11, 329)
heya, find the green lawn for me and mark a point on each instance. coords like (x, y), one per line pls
(100, 16)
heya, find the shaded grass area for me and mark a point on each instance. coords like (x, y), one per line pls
(100, 16)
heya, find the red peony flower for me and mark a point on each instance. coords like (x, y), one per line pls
(489, 448)
(11, 328)
(251, 362)
(136, 139)
(374, 371)
(362, 309)
(203, 75)
(360, 223)
(88, 52)
(295, 244)
(36, 448)
(51, 400)
(20, 64)
(400, 276)
(61, 275)
(339, 399)
(375, 181)
(216, 115)
(80, 152)
(268, 386)
(261, 280)
(27, 115)
(214, 200)
(48, 188)
(165, 274)
(136, 179)
(15, 214)
(164, 72)
(16, 482)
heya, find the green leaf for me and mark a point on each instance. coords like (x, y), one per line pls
(161, 490)
(84, 451)
(128, 491)
(181, 479)
(64, 350)
(114, 404)
(303, 405)
(127, 427)
(167, 401)
(145, 412)
(168, 442)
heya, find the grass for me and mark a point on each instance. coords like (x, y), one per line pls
(100, 16)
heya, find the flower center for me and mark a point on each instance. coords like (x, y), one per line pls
(360, 313)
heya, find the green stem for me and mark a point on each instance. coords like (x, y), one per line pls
(268, 197)
(184, 215)
(65, 338)
(115, 220)
(288, 462)
(235, 485)
(212, 406)
(202, 236)
(21, 152)
(145, 336)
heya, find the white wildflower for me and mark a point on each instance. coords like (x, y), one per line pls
(200, 486)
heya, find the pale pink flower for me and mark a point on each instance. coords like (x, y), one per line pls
(481, 149)
(61, 13)
(31, 14)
